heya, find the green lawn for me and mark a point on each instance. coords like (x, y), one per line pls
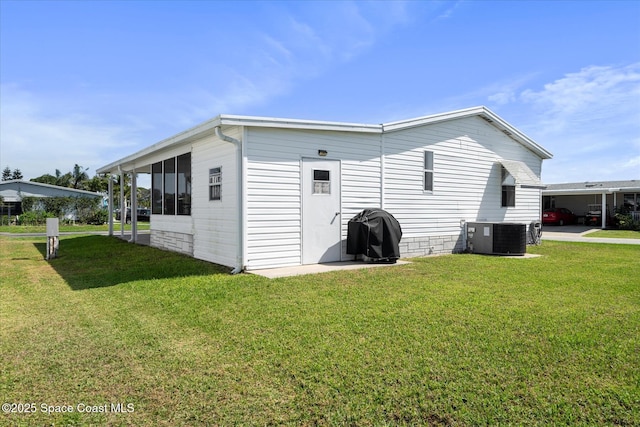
(615, 234)
(449, 340)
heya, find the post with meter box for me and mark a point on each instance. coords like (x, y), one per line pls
(53, 237)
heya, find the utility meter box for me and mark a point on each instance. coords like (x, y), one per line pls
(53, 237)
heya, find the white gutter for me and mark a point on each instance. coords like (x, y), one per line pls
(583, 191)
(240, 261)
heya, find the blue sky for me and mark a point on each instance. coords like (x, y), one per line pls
(90, 82)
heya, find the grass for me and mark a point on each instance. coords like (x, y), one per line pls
(451, 340)
(615, 234)
(24, 229)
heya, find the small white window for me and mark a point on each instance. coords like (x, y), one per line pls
(215, 184)
(428, 171)
(321, 182)
(508, 196)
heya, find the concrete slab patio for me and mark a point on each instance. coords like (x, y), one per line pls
(273, 273)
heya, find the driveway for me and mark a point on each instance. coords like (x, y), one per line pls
(576, 233)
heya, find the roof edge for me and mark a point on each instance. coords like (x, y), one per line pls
(482, 111)
(57, 187)
(274, 122)
(256, 121)
(199, 129)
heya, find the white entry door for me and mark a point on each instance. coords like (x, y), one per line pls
(321, 219)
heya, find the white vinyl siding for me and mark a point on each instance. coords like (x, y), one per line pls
(467, 185)
(215, 223)
(274, 223)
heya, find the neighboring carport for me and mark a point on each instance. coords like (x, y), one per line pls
(610, 196)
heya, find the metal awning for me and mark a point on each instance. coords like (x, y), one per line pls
(518, 173)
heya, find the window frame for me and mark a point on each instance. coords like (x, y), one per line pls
(319, 185)
(427, 175)
(183, 178)
(215, 182)
(165, 175)
(169, 186)
(157, 200)
(631, 199)
(508, 199)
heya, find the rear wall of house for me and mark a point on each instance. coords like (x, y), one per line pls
(274, 202)
(467, 182)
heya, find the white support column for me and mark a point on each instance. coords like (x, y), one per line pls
(110, 208)
(123, 207)
(134, 207)
(604, 210)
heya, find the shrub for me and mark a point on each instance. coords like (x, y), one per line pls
(87, 210)
(625, 221)
(96, 217)
(34, 218)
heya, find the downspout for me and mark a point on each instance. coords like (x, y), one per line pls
(240, 262)
(382, 171)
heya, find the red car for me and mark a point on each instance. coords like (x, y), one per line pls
(558, 216)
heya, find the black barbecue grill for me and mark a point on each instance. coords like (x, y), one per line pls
(375, 234)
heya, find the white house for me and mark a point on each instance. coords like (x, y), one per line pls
(256, 192)
(13, 191)
(602, 196)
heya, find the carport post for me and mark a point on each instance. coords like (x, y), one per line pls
(134, 208)
(123, 209)
(110, 183)
(604, 210)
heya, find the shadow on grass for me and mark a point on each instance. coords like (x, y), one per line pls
(87, 262)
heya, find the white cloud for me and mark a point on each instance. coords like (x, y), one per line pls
(37, 139)
(632, 163)
(593, 93)
(298, 44)
(504, 97)
(589, 120)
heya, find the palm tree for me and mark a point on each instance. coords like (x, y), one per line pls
(79, 175)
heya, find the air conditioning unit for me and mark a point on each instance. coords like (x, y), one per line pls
(496, 238)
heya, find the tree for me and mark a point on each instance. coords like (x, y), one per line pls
(45, 179)
(61, 180)
(144, 197)
(97, 184)
(6, 174)
(78, 176)
(16, 174)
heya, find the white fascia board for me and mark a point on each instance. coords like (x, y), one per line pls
(274, 122)
(21, 183)
(433, 118)
(589, 191)
(577, 192)
(128, 163)
(481, 111)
